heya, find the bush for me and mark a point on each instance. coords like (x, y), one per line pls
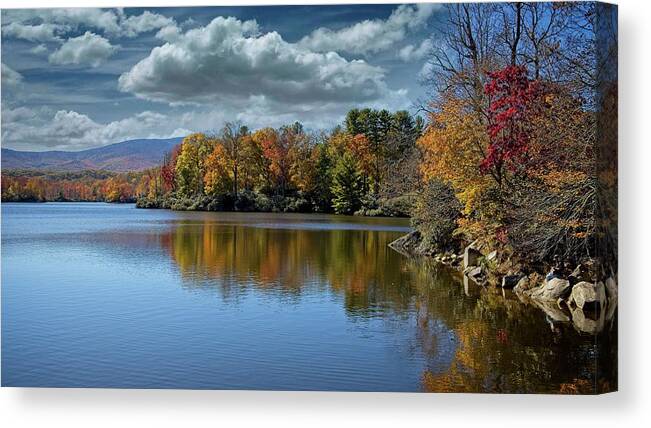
(400, 206)
(435, 215)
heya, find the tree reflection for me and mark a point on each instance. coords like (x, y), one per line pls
(495, 342)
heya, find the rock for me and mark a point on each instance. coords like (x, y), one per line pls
(553, 312)
(587, 295)
(561, 303)
(510, 281)
(471, 255)
(523, 285)
(552, 290)
(408, 244)
(475, 272)
(583, 322)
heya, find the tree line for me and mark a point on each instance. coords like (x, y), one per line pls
(82, 186)
(354, 169)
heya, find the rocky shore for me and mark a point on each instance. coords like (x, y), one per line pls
(584, 296)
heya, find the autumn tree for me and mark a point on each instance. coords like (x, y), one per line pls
(189, 170)
(168, 169)
(515, 101)
(218, 178)
(233, 137)
(281, 149)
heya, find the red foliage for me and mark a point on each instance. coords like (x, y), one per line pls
(168, 169)
(513, 101)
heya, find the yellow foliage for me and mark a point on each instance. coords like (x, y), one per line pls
(453, 147)
(218, 166)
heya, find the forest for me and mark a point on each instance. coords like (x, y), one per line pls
(82, 186)
(504, 146)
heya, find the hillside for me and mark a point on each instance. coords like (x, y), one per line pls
(130, 155)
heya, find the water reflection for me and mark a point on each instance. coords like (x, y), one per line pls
(473, 339)
(355, 263)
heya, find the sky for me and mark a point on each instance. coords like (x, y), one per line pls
(74, 79)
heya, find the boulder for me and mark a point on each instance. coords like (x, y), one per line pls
(552, 289)
(510, 281)
(474, 272)
(586, 323)
(523, 285)
(588, 295)
(553, 312)
(407, 244)
(471, 255)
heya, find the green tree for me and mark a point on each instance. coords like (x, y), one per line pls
(346, 186)
(323, 172)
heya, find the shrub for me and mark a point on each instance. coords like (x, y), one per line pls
(435, 215)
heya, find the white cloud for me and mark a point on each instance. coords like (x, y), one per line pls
(88, 48)
(229, 60)
(169, 33)
(147, 21)
(69, 130)
(413, 53)
(58, 21)
(38, 49)
(33, 33)
(10, 77)
(17, 114)
(371, 36)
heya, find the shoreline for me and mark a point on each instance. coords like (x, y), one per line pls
(586, 297)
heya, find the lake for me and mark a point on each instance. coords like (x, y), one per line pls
(101, 295)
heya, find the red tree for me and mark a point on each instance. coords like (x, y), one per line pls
(513, 105)
(168, 169)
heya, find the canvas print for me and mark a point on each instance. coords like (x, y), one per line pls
(393, 197)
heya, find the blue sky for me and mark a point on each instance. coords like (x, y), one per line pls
(80, 78)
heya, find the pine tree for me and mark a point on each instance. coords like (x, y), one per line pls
(347, 186)
(323, 187)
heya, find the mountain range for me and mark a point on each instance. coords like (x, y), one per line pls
(132, 155)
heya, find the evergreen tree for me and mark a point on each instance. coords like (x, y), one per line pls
(346, 186)
(323, 186)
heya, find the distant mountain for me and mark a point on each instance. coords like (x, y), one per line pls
(130, 155)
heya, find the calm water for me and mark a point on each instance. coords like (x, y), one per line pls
(97, 295)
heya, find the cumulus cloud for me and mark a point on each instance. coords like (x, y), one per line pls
(88, 48)
(38, 49)
(33, 33)
(371, 36)
(230, 60)
(147, 21)
(55, 22)
(10, 77)
(169, 33)
(414, 53)
(70, 130)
